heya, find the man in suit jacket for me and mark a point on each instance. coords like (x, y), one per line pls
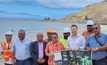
(37, 51)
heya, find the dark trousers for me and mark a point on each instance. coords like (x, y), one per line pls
(100, 62)
(24, 62)
(7, 64)
(40, 64)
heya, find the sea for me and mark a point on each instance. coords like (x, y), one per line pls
(32, 26)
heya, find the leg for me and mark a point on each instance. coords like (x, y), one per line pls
(27, 62)
(7, 64)
(18, 62)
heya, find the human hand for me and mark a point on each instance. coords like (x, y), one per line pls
(13, 63)
(69, 48)
(76, 49)
(88, 49)
(93, 50)
(42, 61)
(39, 60)
(51, 55)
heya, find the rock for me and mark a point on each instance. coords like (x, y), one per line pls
(96, 12)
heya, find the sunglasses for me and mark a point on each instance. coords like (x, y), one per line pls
(95, 28)
(54, 37)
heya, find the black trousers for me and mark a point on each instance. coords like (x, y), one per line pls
(7, 64)
(40, 64)
(100, 62)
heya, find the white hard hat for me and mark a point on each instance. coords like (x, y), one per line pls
(8, 33)
(66, 30)
(90, 22)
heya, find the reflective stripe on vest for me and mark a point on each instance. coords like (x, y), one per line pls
(6, 51)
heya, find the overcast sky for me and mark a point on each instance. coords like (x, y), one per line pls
(41, 8)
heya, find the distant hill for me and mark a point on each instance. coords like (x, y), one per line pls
(96, 12)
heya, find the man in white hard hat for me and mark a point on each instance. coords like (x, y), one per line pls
(66, 34)
(89, 32)
(6, 48)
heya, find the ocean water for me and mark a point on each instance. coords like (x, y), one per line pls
(32, 26)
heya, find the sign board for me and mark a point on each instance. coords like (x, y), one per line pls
(69, 57)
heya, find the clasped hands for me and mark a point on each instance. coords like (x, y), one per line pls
(92, 49)
(41, 61)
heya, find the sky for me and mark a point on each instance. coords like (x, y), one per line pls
(39, 9)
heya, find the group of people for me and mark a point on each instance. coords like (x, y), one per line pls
(22, 51)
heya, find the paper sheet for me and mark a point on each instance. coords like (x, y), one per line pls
(57, 56)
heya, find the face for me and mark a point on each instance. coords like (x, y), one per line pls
(54, 38)
(21, 35)
(40, 37)
(89, 28)
(74, 30)
(49, 35)
(8, 37)
(66, 35)
(96, 29)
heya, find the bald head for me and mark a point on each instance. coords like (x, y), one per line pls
(39, 37)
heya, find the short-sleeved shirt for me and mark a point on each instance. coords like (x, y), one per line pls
(63, 41)
(92, 43)
(21, 48)
(50, 48)
(79, 42)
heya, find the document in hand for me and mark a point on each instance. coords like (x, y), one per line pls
(57, 56)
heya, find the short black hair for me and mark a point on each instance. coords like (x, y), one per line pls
(98, 25)
(54, 33)
(74, 26)
(22, 31)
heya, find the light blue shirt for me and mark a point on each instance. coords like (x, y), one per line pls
(79, 42)
(21, 48)
(92, 43)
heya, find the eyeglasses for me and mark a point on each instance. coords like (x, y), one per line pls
(54, 37)
(95, 28)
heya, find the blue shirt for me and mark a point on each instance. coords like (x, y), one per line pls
(79, 42)
(92, 43)
(21, 48)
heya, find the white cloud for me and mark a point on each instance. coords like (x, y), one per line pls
(57, 3)
(66, 3)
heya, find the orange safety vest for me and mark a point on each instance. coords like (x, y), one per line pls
(85, 33)
(7, 52)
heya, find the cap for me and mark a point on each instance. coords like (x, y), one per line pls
(90, 22)
(8, 33)
(50, 30)
(66, 30)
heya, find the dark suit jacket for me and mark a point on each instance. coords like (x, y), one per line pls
(34, 52)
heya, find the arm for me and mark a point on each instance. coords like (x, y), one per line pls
(32, 52)
(68, 45)
(82, 47)
(13, 59)
(13, 54)
(102, 48)
(87, 46)
(47, 51)
(45, 57)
